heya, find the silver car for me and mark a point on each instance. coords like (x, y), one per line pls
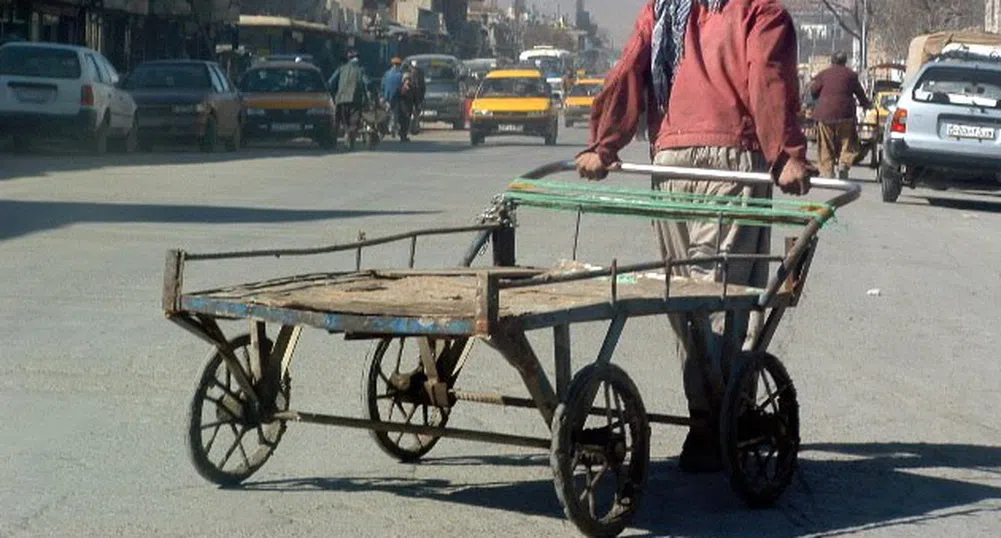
(946, 127)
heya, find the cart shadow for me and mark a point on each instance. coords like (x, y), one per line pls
(19, 218)
(863, 486)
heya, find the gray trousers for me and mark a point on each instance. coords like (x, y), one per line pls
(704, 375)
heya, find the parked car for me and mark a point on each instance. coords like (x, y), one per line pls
(186, 101)
(286, 100)
(51, 91)
(577, 106)
(445, 80)
(514, 102)
(946, 127)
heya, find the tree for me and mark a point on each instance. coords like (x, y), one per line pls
(893, 23)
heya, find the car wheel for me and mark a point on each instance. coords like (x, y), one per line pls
(130, 142)
(210, 141)
(476, 139)
(891, 183)
(235, 142)
(553, 134)
(99, 143)
(458, 125)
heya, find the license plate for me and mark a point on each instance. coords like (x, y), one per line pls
(429, 113)
(509, 128)
(971, 131)
(33, 96)
(285, 127)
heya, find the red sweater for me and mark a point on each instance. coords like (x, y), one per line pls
(736, 86)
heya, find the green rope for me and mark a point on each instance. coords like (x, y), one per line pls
(591, 198)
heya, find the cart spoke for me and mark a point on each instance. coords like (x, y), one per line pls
(407, 420)
(619, 414)
(217, 424)
(232, 449)
(597, 476)
(773, 397)
(608, 405)
(750, 442)
(226, 389)
(215, 433)
(249, 371)
(399, 355)
(770, 400)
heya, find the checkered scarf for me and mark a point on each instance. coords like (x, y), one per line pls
(669, 41)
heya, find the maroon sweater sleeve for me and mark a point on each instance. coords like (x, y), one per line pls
(617, 109)
(774, 85)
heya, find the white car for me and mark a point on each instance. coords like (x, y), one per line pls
(57, 91)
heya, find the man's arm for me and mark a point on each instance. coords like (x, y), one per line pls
(334, 81)
(617, 109)
(774, 86)
(817, 86)
(863, 99)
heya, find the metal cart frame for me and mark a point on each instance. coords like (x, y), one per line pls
(251, 398)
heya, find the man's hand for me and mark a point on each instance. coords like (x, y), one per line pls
(589, 166)
(795, 176)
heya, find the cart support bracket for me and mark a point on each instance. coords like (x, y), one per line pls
(516, 348)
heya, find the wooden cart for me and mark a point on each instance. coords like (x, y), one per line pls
(424, 322)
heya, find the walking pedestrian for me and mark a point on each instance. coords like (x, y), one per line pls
(836, 90)
(718, 81)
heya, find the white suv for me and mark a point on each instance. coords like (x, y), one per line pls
(60, 91)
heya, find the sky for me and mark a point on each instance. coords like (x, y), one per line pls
(616, 16)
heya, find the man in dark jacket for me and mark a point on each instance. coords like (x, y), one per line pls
(349, 85)
(836, 89)
(718, 81)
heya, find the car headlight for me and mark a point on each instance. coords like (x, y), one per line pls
(318, 112)
(483, 113)
(255, 112)
(189, 109)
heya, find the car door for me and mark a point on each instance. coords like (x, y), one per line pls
(222, 101)
(122, 105)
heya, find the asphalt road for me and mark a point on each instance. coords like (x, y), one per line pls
(899, 390)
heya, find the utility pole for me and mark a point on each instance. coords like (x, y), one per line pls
(864, 48)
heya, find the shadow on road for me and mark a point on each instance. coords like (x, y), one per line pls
(24, 217)
(964, 204)
(880, 486)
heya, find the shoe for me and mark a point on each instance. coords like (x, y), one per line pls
(700, 454)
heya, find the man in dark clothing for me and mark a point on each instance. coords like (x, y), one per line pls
(420, 90)
(349, 86)
(718, 82)
(836, 89)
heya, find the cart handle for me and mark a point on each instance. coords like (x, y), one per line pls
(850, 191)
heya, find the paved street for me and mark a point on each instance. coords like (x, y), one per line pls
(900, 390)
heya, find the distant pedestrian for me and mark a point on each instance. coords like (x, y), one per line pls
(348, 86)
(392, 84)
(836, 90)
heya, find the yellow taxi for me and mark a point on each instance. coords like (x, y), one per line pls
(286, 100)
(577, 106)
(514, 102)
(875, 118)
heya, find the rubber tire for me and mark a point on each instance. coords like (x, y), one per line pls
(553, 136)
(747, 364)
(130, 142)
(235, 142)
(561, 451)
(476, 139)
(205, 468)
(370, 409)
(891, 183)
(209, 143)
(458, 125)
(99, 144)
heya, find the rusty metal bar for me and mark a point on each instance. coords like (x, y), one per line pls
(454, 433)
(341, 248)
(563, 359)
(650, 266)
(474, 249)
(576, 233)
(615, 282)
(487, 302)
(517, 350)
(611, 339)
(789, 263)
(173, 282)
(525, 403)
(361, 239)
(413, 252)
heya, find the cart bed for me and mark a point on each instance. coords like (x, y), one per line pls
(447, 303)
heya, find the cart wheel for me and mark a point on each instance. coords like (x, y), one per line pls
(759, 426)
(600, 452)
(228, 436)
(390, 394)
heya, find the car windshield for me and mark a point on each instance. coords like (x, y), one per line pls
(548, 64)
(585, 90)
(280, 80)
(443, 87)
(438, 69)
(513, 87)
(959, 86)
(169, 77)
(39, 62)
(888, 101)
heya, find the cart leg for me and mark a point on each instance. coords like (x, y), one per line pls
(515, 347)
(611, 339)
(277, 362)
(504, 246)
(207, 329)
(734, 334)
(764, 338)
(561, 351)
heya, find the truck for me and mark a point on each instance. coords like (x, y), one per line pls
(924, 48)
(553, 62)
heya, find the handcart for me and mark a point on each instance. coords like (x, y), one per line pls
(424, 322)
